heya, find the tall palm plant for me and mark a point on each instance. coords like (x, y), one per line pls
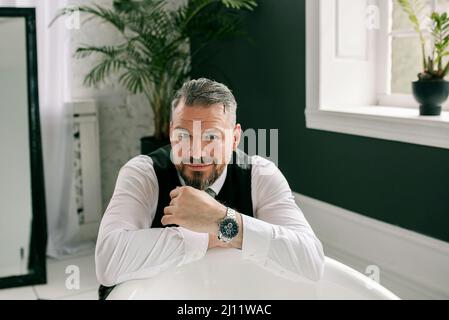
(154, 55)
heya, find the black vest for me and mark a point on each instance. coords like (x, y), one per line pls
(235, 193)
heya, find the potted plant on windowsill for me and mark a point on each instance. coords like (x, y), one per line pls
(431, 90)
(154, 56)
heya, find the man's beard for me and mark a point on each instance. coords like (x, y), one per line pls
(198, 179)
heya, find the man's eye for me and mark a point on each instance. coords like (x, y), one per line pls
(211, 137)
(183, 136)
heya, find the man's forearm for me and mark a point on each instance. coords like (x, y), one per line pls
(127, 255)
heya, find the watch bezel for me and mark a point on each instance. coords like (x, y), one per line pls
(224, 224)
(230, 217)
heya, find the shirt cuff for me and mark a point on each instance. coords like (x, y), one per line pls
(257, 235)
(195, 245)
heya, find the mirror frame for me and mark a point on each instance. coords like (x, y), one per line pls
(37, 273)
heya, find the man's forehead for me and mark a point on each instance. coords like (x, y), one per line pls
(202, 125)
(211, 116)
(201, 122)
(203, 119)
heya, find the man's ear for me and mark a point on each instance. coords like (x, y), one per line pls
(237, 136)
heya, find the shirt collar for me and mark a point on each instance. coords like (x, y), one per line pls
(216, 186)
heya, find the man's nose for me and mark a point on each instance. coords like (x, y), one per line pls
(197, 148)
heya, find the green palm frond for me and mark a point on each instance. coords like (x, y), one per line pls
(134, 80)
(109, 16)
(154, 55)
(110, 51)
(240, 4)
(100, 72)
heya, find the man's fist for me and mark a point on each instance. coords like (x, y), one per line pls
(194, 209)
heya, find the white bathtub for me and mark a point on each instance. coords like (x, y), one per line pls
(210, 279)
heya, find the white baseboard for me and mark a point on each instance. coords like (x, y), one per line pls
(412, 265)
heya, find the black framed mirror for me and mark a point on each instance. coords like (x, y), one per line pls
(23, 227)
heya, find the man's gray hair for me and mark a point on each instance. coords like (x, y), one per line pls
(205, 92)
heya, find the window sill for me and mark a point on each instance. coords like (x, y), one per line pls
(382, 122)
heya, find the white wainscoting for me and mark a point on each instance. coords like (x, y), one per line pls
(411, 265)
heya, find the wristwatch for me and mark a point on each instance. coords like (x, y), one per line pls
(228, 227)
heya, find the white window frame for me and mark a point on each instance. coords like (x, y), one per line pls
(397, 122)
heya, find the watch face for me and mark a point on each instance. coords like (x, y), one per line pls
(229, 228)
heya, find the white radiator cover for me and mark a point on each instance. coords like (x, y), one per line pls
(87, 167)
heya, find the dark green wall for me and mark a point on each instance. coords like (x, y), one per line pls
(402, 184)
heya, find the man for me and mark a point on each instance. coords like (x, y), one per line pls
(201, 192)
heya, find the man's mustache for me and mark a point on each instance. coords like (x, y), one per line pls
(202, 160)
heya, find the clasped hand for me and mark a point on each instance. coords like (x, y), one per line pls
(195, 210)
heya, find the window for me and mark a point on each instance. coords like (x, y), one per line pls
(403, 52)
(359, 77)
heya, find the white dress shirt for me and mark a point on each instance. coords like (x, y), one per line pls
(277, 237)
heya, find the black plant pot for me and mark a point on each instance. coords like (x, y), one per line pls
(430, 94)
(150, 144)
